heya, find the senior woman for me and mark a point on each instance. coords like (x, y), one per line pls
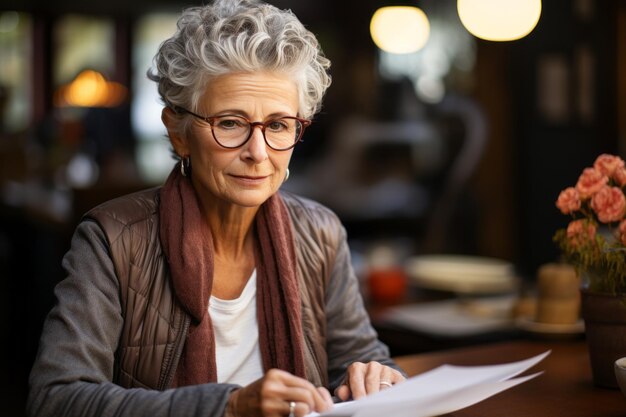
(215, 294)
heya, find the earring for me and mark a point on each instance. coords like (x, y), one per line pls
(185, 166)
(286, 175)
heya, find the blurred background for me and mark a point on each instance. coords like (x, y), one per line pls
(460, 147)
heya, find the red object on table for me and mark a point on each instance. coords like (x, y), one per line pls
(387, 285)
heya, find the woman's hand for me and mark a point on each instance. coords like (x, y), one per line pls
(272, 395)
(367, 378)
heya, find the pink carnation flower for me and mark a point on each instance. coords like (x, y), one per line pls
(609, 204)
(568, 201)
(619, 176)
(590, 182)
(607, 164)
(580, 232)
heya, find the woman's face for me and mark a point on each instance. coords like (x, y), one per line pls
(249, 175)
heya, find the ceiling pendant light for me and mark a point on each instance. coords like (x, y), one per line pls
(499, 20)
(399, 29)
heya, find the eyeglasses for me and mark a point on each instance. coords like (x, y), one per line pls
(232, 131)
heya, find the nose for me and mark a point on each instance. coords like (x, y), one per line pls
(256, 148)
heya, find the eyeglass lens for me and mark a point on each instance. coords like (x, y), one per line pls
(232, 131)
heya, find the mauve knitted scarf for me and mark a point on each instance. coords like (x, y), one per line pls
(187, 244)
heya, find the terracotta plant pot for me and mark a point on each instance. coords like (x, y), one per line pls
(605, 329)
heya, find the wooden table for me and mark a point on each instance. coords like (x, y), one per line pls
(565, 389)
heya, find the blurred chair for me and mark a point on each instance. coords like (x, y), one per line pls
(401, 178)
(459, 171)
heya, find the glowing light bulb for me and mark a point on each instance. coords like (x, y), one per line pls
(399, 29)
(499, 20)
(91, 89)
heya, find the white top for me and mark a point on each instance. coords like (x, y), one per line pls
(236, 331)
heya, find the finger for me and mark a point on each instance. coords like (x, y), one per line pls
(280, 383)
(300, 409)
(308, 396)
(281, 406)
(343, 392)
(292, 388)
(356, 380)
(322, 402)
(396, 376)
(373, 374)
(322, 398)
(328, 400)
(285, 377)
(386, 378)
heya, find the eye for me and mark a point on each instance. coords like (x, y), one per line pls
(278, 125)
(229, 123)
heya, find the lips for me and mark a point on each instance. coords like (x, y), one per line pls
(251, 177)
(250, 180)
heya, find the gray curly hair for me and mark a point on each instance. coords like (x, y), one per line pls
(239, 36)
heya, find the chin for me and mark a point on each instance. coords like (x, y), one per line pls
(251, 198)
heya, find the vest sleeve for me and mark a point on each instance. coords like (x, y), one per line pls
(73, 370)
(351, 337)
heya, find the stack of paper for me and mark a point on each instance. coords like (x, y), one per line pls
(442, 390)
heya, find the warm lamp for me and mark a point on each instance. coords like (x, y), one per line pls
(399, 29)
(499, 20)
(90, 89)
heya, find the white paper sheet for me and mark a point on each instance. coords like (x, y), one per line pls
(439, 391)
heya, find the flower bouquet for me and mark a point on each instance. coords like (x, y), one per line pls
(595, 238)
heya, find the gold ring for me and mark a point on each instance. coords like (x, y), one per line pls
(386, 383)
(292, 409)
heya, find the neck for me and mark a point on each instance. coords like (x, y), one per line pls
(232, 228)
